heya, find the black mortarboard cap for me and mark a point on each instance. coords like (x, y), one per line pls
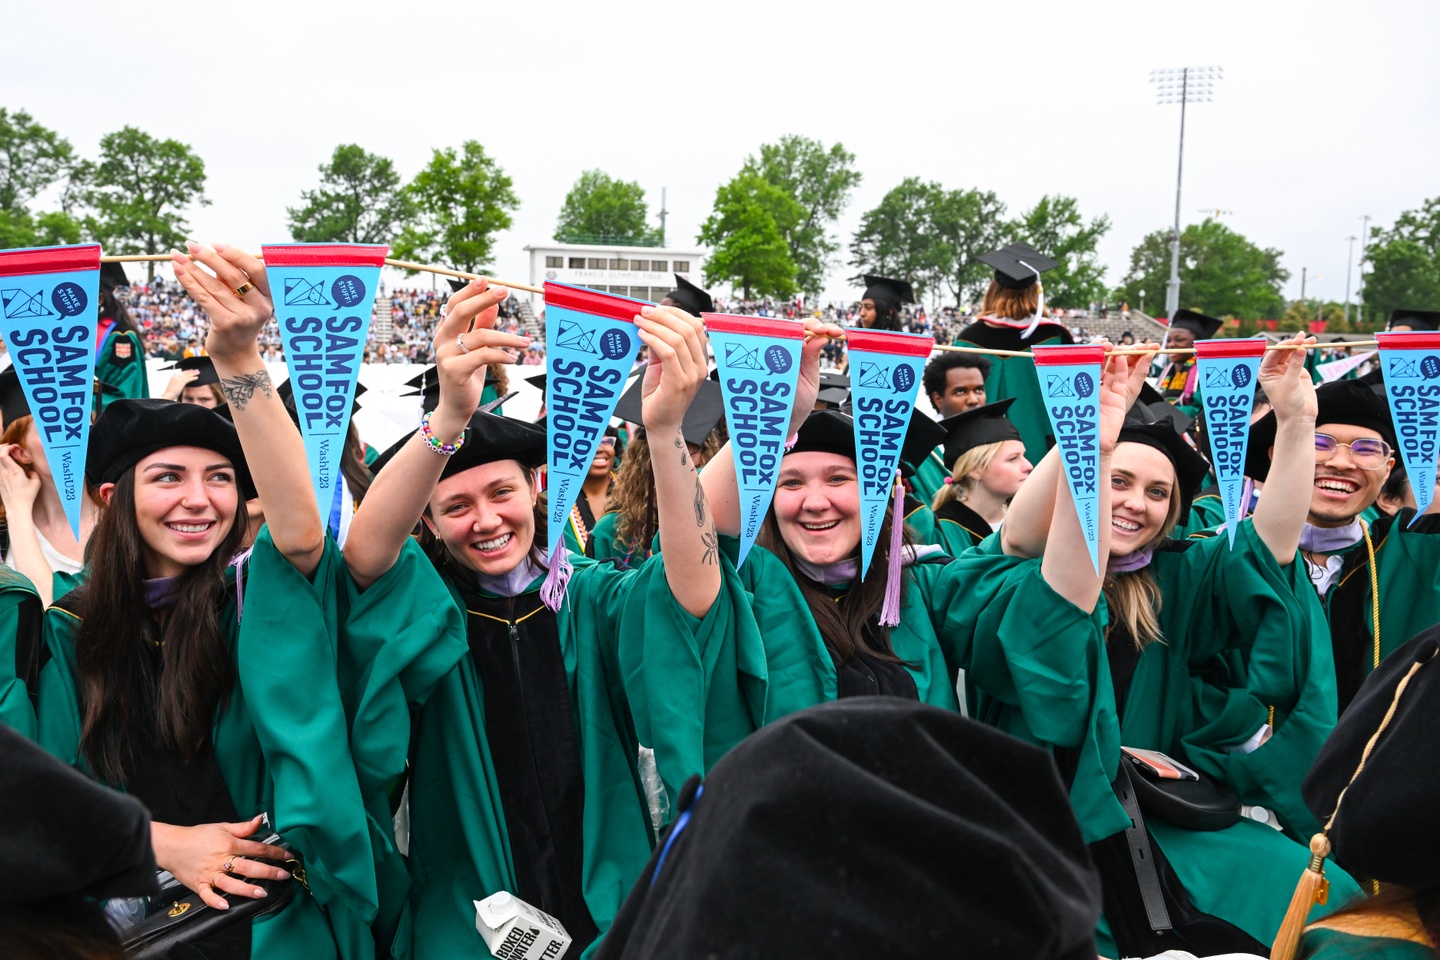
(12, 396)
(860, 809)
(1415, 319)
(489, 437)
(1191, 469)
(1344, 401)
(205, 365)
(66, 836)
(884, 288)
(457, 283)
(977, 427)
(1010, 263)
(1161, 409)
(826, 431)
(287, 397)
(834, 388)
(1201, 326)
(128, 431)
(691, 298)
(922, 436)
(701, 417)
(1386, 826)
(112, 275)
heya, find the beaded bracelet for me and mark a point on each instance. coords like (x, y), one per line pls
(444, 449)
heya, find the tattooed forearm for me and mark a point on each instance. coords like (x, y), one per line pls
(700, 503)
(239, 390)
(712, 547)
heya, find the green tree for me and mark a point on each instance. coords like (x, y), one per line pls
(359, 200)
(819, 180)
(896, 239)
(1055, 227)
(966, 225)
(461, 202)
(601, 209)
(1404, 264)
(32, 159)
(141, 189)
(1222, 274)
(748, 243)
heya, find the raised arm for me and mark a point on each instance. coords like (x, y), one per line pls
(721, 489)
(1031, 514)
(274, 451)
(396, 500)
(687, 534)
(1066, 565)
(1280, 516)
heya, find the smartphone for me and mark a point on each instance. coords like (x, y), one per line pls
(1157, 765)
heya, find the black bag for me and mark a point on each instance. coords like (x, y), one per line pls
(1200, 804)
(178, 915)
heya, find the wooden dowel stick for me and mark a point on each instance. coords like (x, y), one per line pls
(402, 264)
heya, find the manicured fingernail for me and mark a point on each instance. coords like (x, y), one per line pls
(224, 904)
(261, 892)
(191, 245)
(284, 874)
(219, 247)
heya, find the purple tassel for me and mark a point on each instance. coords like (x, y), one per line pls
(552, 591)
(890, 610)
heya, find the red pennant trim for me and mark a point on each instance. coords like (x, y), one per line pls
(324, 255)
(1068, 354)
(776, 328)
(68, 259)
(1408, 340)
(1229, 348)
(611, 306)
(889, 341)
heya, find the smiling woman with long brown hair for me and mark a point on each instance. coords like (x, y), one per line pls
(173, 671)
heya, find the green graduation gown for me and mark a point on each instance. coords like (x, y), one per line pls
(407, 645)
(929, 478)
(1016, 377)
(1240, 641)
(20, 650)
(280, 742)
(959, 528)
(120, 363)
(1407, 567)
(1319, 943)
(700, 685)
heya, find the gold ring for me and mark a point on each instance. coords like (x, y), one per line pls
(217, 876)
(228, 865)
(244, 288)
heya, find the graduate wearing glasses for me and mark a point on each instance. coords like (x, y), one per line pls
(1347, 557)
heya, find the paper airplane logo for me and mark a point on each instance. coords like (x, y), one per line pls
(302, 293)
(24, 305)
(1399, 367)
(741, 357)
(573, 336)
(1059, 386)
(874, 376)
(1217, 377)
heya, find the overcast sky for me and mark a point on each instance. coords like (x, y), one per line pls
(1328, 110)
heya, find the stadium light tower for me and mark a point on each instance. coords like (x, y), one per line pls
(1182, 85)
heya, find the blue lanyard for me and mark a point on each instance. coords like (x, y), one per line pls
(680, 824)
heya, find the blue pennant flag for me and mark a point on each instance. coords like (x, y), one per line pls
(1069, 384)
(1411, 365)
(885, 372)
(759, 362)
(48, 298)
(1228, 370)
(323, 294)
(590, 346)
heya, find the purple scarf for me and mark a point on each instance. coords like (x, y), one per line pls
(1315, 539)
(162, 592)
(513, 583)
(843, 572)
(1130, 562)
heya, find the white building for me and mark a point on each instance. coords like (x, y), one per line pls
(644, 273)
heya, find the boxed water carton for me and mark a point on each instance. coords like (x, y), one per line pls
(514, 930)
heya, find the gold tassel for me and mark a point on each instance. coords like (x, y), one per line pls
(1313, 888)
